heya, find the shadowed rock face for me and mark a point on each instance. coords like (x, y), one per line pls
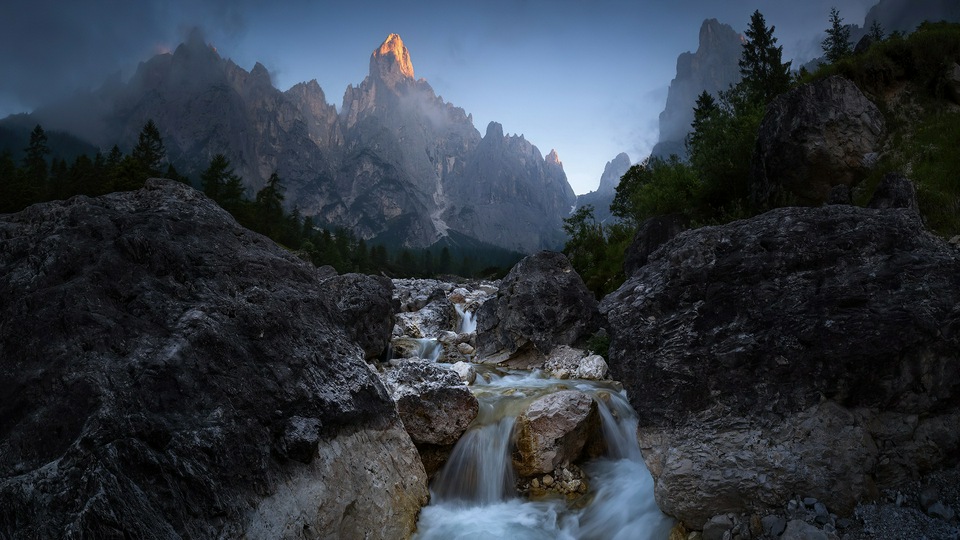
(813, 138)
(807, 350)
(542, 303)
(168, 373)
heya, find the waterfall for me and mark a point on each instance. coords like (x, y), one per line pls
(474, 495)
(468, 319)
(479, 470)
(429, 349)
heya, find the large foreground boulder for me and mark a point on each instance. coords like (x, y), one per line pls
(167, 373)
(813, 138)
(811, 351)
(542, 303)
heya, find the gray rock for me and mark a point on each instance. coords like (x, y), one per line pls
(435, 406)
(593, 368)
(773, 525)
(364, 309)
(179, 376)
(895, 191)
(929, 495)
(801, 530)
(813, 138)
(717, 527)
(941, 511)
(554, 430)
(829, 316)
(542, 303)
(564, 361)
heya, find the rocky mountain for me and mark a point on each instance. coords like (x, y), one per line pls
(714, 67)
(603, 196)
(395, 163)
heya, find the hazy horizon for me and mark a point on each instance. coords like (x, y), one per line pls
(587, 81)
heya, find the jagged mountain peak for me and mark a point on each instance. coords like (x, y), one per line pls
(554, 158)
(614, 169)
(391, 61)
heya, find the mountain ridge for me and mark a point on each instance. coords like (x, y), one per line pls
(393, 149)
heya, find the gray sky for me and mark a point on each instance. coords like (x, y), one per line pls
(588, 79)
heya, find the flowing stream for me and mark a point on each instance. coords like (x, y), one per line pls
(474, 496)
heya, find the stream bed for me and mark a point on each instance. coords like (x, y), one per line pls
(474, 495)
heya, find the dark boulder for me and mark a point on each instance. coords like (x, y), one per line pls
(812, 138)
(167, 373)
(650, 235)
(806, 350)
(364, 307)
(542, 303)
(895, 191)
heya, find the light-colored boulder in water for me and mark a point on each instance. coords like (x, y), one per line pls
(593, 368)
(563, 361)
(465, 371)
(435, 406)
(566, 362)
(554, 430)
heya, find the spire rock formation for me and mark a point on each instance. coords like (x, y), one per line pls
(714, 67)
(391, 61)
(396, 165)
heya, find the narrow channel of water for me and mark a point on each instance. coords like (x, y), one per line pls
(474, 496)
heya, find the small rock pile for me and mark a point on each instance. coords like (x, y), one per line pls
(567, 480)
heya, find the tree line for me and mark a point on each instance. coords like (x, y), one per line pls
(37, 178)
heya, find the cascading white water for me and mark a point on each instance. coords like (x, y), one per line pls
(474, 496)
(428, 349)
(468, 319)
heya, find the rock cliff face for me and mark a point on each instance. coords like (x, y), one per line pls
(714, 67)
(812, 139)
(167, 373)
(805, 351)
(396, 163)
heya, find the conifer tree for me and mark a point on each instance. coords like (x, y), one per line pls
(34, 176)
(220, 183)
(837, 44)
(876, 31)
(764, 74)
(149, 151)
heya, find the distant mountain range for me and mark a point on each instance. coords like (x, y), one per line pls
(396, 162)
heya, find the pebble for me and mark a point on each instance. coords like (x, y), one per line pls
(548, 480)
